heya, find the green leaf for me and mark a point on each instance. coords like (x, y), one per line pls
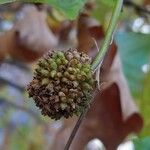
(109, 2)
(70, 8)
(6, 1)
(144, 103)
(134, 49)
(101, 13)
(142, 144)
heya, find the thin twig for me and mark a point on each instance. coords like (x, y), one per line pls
(109, 35)
(75, 129)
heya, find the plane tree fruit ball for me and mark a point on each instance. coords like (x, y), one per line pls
(63, 84)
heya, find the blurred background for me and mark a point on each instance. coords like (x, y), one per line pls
(119, 116)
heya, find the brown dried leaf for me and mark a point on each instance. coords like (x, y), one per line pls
(30, 37)
(146, 2)
(33, 31)
(67, 35)
(88, 28)
(113, 114)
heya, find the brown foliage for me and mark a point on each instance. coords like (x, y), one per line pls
(88, 28)
(146, 2)
(29, 38)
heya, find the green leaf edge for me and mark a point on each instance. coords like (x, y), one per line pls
(71, 12)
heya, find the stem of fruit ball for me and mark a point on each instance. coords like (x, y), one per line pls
(109, 35)
(98, 59)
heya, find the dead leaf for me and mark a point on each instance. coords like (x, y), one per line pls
(146, 2)
(88, 28)
(113, 114)
(33, 31)
(30, 37)
(67, 35)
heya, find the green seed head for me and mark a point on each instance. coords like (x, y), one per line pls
(72, 77)
(64, 61)
(60, 54)
(44, 72)
(66, 74)
(59, 74)
(86, 86)
(45, 81)
(65, 80)
(71, 70)
(74, 62)
(63, 84)
(53, 65)
(58, 61)
(53, 73)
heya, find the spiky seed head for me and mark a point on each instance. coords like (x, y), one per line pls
(63, 84)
